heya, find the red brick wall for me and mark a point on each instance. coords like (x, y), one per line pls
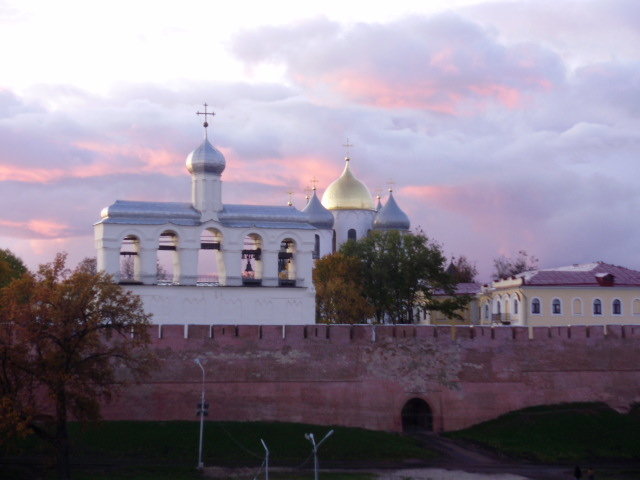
(362, 376)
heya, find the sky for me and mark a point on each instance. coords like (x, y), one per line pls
(502, 125)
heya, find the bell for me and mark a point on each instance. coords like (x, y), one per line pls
(248, 268)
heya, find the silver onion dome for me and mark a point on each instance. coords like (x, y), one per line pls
(391, 217)
(318, 216)
(206, 159)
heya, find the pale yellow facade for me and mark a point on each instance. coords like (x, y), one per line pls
(510, 302)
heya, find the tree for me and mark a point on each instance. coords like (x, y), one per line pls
(339, 296)
(127, 267)
(461, 270)
(89, 265)
(11, 267)
(401, 272)
(507, 267)
(70, 339)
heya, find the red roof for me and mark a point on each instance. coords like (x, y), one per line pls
(587, 274)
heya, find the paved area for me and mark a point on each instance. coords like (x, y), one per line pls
(470, 458)
(456, 461)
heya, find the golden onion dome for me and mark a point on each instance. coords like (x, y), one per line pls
(347, 193)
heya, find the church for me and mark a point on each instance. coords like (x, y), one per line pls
(207, 262)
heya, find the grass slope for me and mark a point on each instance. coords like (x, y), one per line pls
(237, 443)
(141, 450)
(559, 433)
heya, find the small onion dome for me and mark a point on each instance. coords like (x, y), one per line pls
(379, 204)
(319, 216)
(347, 193)
(206, 159)
(390, 217)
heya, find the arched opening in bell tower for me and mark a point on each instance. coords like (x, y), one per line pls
(210, 258)
(416, 416)
(130, 259)
(168, 261)
(252, 260)
(287, 263)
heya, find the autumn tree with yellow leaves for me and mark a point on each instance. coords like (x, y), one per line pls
(69, 340)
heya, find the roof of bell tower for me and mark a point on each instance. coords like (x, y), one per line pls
(206, 159)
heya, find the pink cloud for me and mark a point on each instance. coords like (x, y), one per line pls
(37, 228)
(294, 171)
(379, 93)
(144, 159)
(32, 175)
(443, 64)
(107, 159)
(509, 97)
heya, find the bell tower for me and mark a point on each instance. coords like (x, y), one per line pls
(206, 164)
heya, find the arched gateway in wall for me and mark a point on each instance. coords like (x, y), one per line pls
(416, 416)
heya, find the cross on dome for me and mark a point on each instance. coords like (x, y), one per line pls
(390, 184)
(205, 113)
(347, 146)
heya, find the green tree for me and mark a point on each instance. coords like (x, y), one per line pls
(65, 334)
(401, 272)
(462, 270)
(339, 296)
(505, 267)
(11, 267)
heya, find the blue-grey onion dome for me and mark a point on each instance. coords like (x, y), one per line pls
(379, 204)
(318, 216)
(390, 217)
(206, 159)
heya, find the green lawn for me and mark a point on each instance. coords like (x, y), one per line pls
(159, 450)
(558, 433)
(236, 443)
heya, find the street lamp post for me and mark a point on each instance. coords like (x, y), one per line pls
(266, 460)
(311, 438)
(202, 407)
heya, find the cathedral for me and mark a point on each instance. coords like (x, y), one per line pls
(207, 262)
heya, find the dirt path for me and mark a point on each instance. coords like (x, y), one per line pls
(456, 461)
(470, 458)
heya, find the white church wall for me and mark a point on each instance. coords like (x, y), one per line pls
(230, 302)
(359, 220)
(325, 238)
(227, 305)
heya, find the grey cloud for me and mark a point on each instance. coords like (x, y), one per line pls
(441, 59)
(554, 176)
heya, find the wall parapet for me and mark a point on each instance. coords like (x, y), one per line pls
(367, 334)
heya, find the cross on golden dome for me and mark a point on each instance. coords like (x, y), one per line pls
(347, 146)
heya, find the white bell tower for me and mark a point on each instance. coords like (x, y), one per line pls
(206, 164)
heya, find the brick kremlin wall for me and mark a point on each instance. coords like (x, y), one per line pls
(363, 375)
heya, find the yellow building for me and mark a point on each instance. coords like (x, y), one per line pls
(581, 294)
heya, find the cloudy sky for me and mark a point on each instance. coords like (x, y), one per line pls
(504, 125)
